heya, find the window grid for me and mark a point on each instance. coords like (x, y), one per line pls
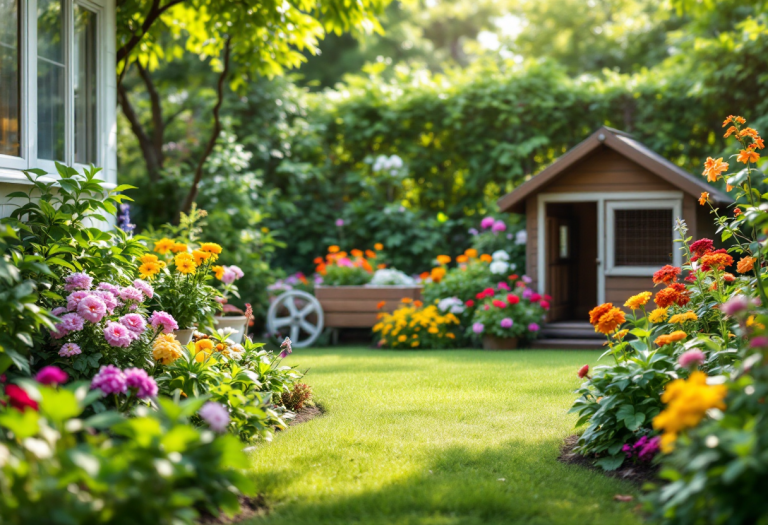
(643, 237)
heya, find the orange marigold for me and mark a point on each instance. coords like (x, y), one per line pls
(704, 198)
(666, 339)
(747, 155)
(746, 264)
(461, 259)
(443, 259)
(610, 321)
(437, 274)
(597, 312)
(356, 253)
(380, 305)
(471, 253)
(333, 249)
(716, 260)
(672, 295)
(666, 275)
(713, 168)
(730, 131)
(370, 254)
(486, 258)
(378, 246)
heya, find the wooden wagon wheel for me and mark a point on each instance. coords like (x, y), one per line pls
(300, 312)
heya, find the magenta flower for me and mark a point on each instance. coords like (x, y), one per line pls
(51, 375)
(72, 322)
(129, 293)
(108, 287)
(344, 262)
(527, 293)
(69, 350)
(134, 322)
(92, 309)
(73, 300)
(216, 415)
(692, 358)
(110, 301)
(117, 335)
(498, 226)
(109, 380)
(506, 322)
(478, 328)
(144, 287)
(734, 305)
(535, 298)
(285, 347)
(164, 320)
(526, 279)
(339, 223)
(138, 380)
(77, 281)
(533, 327)
(504, 286)
(487, 223)
(760, 341)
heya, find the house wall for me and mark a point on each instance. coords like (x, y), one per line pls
(608, 171)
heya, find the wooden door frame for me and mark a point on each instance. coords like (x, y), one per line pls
(600, 199)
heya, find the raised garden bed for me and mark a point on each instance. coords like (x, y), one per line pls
(357, 306)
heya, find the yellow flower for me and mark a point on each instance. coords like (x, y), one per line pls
(415, 344)
(200, 256)
(637, 301)
(443, 259)
(378, 246)
(402, 338)
(163, 246)
(621, 334)
(218, 271)
(433, 330)
(683, 317)
(178, 247)
(185, 266)
(212, 248)
(471, 253)
(659, 315)
(450, 335)
(166, 349)
(148, 258)
(149, 269)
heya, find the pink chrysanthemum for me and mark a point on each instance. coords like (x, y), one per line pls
(77, 281)
(109, 287)
(216, 415)
(72, 322)
(110, 301)
(109, 380)
(144, 287)
(117, 335)
(164, 320)
(69, 349)
(58, 311)
(134, 322)
(51, 375)
(129, 293)
(507, 322)
(92, 309)
(73, 300)
(137, 379)
(692, 358)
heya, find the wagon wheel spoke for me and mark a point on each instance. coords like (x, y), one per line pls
(306, 310)
(282, 321)
(295, 332)
(308, 327)
(291, 305)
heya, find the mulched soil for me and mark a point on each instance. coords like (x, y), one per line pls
(257, 506)
(637, 474)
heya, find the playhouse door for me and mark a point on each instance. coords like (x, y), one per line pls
(560, 267)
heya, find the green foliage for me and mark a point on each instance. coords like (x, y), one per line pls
(297, 398)
(59, 226)
(21, 318)
(463, 282)
(61, 468)
(345, 276)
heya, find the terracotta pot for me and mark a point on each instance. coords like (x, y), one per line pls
(236, 322)
(184, 336)
(491, 342)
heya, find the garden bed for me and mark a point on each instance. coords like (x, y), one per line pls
(359, 306)
(635, 473)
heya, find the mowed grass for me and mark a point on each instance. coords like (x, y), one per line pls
(435, 438)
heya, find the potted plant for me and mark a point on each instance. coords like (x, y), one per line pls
(230, 316)
(181, 277)
(506, 316)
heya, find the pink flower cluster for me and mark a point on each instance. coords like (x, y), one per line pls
(644, 449)
(233, 273)
(492, 224)
(112, 380)
(164, 321)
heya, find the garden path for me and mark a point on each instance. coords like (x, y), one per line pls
(436, 438)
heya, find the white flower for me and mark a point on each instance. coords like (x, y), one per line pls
(521, 237)
(454, 304)
(499, 267)
(391, 277)
(500, 255)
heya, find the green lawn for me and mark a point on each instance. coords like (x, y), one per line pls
(435, 438)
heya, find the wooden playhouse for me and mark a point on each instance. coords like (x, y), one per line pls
(600, 220)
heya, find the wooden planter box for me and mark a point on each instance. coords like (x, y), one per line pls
(355, 306)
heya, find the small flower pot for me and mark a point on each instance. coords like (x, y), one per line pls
(184, 336)
(236, 322)
(491, 342)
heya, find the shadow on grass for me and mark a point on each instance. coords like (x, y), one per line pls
(518, 482)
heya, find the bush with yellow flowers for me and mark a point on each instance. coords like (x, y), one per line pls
(416, 326)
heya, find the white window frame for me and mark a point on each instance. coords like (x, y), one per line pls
(603, 247)
(676, 205)
(106, 130)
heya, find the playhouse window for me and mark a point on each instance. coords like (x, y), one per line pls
(643, 237)
(10, 109)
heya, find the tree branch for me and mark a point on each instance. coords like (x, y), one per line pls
(158, 124)
(154, 165)
(155, 11)
(192, 195)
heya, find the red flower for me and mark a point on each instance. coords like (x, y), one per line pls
(513, 277)
(535, 298)
(480, 296)
(513, 299)
(499, 304)
(520, 284)
(584, 372)
(668, 274)
(19, 399)
(702, 246)
(544, 304)
(547, 297)
(489, 292)
(690, 278)
(470, 303)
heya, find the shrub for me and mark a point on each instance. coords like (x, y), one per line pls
(508, 313)
(342, 269)
(414, 325)
(61, 468)
(297, 397)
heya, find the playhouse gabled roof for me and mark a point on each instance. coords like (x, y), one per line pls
(624, 144)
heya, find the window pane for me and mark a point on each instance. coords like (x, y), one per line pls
(85, 86)
(51, 80)
(9, 79)
(643, 237)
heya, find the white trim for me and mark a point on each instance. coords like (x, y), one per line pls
(600, 198)
(676, 205)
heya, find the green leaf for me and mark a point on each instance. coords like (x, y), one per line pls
(611, 462)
